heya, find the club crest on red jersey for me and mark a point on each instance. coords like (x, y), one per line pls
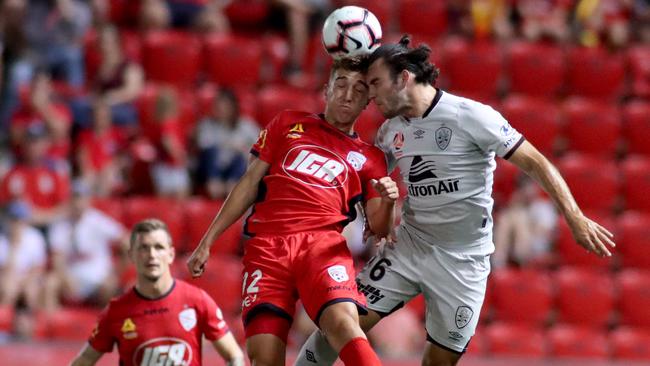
(187, 318)
(315, 166)
(163, 351)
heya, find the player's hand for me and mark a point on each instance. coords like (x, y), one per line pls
(591, 235)
(197, 261)
(387, 188)
(371, 239)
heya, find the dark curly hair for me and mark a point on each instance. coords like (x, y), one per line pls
(398, 57)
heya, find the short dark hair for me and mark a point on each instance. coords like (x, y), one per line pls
(398, 57)
(358, 64)
(147, 226)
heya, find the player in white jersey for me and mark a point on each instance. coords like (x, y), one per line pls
(445, 147)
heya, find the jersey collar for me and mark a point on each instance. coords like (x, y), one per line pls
(155, 298)
(426, 113)
(353, 135)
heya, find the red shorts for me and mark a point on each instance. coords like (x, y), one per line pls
(314, 266)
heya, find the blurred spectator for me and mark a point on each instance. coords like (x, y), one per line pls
(98, 153)
(43, 110)
(82, 259)
(23, 258)
(224, 139)
(299, 14)
(55, 30)
(641, 20)
(603, 22)
(525, 228)
(203, 15)
(118, 84)
(544, 19)
(35, 180)
(490, 18)
(169, 172)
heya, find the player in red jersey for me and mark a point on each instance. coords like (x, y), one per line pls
(161, 321)
(309, 173)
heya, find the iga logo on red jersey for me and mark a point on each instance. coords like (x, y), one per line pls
(315, 166)
(163, 351)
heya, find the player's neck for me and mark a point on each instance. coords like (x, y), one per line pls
(156, 289)
(420, 99)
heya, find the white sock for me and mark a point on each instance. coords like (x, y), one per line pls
(316, 351)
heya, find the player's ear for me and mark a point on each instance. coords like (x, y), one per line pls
(403, 79)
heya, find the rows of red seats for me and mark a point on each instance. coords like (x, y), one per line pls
(478, 69)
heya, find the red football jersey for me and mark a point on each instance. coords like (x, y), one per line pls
(317, 175)
(163, 331)
(40, 186)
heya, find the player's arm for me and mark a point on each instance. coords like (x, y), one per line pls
(238, 201)
(229, 350)
(586, 232)
(380, 211)
(87, 357)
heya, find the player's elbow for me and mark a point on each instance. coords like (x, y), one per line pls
(236, 358)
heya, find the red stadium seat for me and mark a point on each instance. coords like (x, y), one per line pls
(537, 119)
(478, 345)
(506, 339)
(222, 280)
(6, 318)
(71, 323)
(634, 239)
(639, 60)
(233, 60)
(200, 214)
(272, 100)
(594, 182)
(577, 342)
(570, 253)
(247, 13)
(583, 117)
(536, 69)
(275, 49)
(636, 183)
(523, 296)
(427, 18)
(131, 47)
(634, 297)
(170, 212)
(636, 116)
(594, 72)
(171, 57)
(110, 206)
(472, 69)
(584, 296)
(505, 181)
(630, 343)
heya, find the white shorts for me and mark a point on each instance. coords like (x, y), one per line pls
(453, 284)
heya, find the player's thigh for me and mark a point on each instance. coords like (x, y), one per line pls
(388, 280)
(454, 289)
(267, 285)
(266, 350)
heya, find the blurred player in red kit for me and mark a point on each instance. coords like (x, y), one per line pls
(309, 173)
(161, 321)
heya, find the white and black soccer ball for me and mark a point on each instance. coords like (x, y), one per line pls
(351, 31)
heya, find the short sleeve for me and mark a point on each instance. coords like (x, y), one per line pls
(375, 168)
(267, 140)
(101, 338)
(213, 324)
(489, 130)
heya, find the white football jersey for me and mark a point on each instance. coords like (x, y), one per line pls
(446, 160)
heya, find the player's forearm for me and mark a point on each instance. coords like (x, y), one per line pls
(547, 176)
(381, 218)
(236, 361)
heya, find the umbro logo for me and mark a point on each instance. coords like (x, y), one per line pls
(309, 355)
(421, 170)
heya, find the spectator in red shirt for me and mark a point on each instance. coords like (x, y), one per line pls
(169, 172)
(204, 15)
(43, 109)
(97, 154)
(36, 181)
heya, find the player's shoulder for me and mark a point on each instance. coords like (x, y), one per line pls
(121, 304)
(290, 116)
(189, 291)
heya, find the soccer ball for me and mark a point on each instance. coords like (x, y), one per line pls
(351, 31)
